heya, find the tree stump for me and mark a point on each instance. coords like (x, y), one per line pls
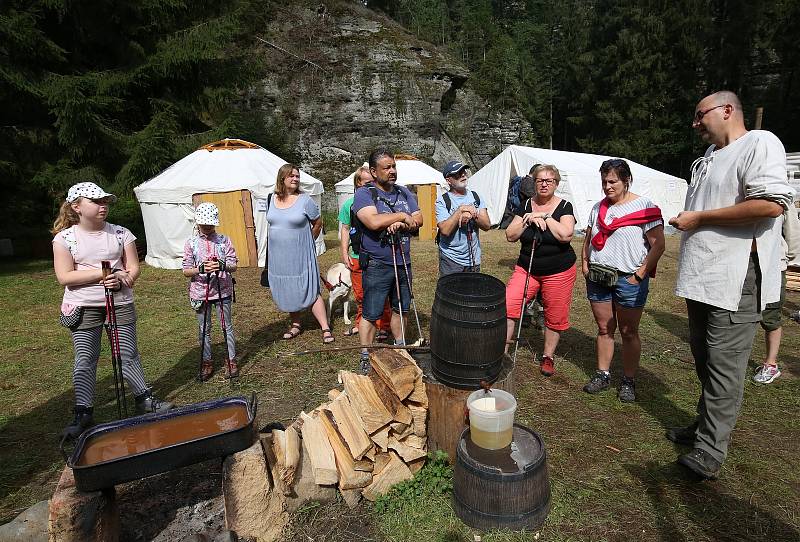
(447, 406)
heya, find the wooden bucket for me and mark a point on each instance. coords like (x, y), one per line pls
(502, 489)
(468, 329)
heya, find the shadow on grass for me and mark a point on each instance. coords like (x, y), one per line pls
(676, 324)
(683, 506)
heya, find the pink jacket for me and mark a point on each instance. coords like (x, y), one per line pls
(198, 249)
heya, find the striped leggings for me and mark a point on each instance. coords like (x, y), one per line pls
(205, 341)
(87, 352)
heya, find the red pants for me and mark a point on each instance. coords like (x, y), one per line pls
(556, 295)
(384, 324)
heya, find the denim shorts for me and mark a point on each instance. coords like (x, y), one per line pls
(623, 293)
(378, 281)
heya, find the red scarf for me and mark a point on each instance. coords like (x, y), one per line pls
(636, 218)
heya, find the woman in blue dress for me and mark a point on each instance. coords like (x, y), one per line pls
(294, 222)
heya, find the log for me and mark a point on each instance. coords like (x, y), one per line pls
(406, 452)
(333, 394)
(279, 451)
(364, 465)
(398, 427)
(349, 425)
(349, 477)
(292, 457)
(404, 433)
(419, 396)
(414, 441)
(419, 416)
(370, 454)
(400, 412)
(394, 472)
(319, 451)
(351, 497)
(416, 465)
(366, 403)
(397, 369)
(75, 516)
(381, 439)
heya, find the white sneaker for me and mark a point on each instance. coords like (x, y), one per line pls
(766, 374)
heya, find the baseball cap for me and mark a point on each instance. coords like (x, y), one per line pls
(453, 166)
(88, 190)
(206, 214)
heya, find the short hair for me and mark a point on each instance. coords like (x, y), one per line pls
(359, 175)
(620, 167)
(377, 154)
(534, 166)
(546, 167)
(283, 172)
(723, 97)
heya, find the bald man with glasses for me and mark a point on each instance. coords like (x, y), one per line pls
(728, 267)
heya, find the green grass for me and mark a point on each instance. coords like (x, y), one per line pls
(612, 472)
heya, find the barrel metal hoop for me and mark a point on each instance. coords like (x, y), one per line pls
(471, 305)
(499, 519)
(469, 324)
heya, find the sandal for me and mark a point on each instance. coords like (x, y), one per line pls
(206, 370)
(327, 336)
(350, 332)
(382, 335)
(293, 332)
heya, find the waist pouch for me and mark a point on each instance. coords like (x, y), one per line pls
(603, 275)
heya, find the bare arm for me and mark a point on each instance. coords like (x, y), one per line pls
(64, 266)
(655, 237)
(344, 244)
(562, 229)
(744, 212)
(316, 227)
(515, 229)
(373, 220)
(482, 220)
(132, 270)
(587, 243)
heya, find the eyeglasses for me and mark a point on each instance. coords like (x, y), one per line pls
(545, 181)
(462, 173)
(700, 114)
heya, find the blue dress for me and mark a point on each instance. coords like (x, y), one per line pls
(293, 270)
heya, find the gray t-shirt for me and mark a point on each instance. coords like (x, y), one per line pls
(626, 248)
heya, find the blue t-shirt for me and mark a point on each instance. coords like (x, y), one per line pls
(403, 201)
(456, 246)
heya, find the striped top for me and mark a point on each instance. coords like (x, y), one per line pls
(627, 247)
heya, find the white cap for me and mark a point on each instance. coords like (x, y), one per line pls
(88, 190)
(206, 214)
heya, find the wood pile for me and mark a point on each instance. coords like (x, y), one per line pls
(369, 436)
(793, 279)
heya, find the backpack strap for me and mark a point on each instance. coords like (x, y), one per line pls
(477, 199)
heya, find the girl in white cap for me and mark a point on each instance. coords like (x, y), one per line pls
(208, 260)
(83, 240)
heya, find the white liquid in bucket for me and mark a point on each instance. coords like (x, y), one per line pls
(491, 418)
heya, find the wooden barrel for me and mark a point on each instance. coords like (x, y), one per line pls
(468, 329)
(502, 489)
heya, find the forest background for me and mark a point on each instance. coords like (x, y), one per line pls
(114, 91)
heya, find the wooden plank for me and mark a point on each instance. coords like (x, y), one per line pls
(349, 477)
(232, 221)
(319, 451)
(366, 403)
(397, 369)
(349, 425)
(249, 227)
(405, 451)
(394, 472)
(396, 408)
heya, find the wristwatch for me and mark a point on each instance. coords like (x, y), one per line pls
(546, 216)
(638, 278)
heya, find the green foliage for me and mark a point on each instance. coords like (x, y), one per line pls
(434, 479)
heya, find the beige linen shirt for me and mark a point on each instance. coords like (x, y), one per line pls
(713, 259)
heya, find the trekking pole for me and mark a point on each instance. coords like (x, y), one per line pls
(206, 310)
(224, 327)
(469, 244)
(397, 285)
(537, 235)
(407, 268)
(113, 339)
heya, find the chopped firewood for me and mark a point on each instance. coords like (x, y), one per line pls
(287, 457)
(394, 472)
(349, 477)
(381, 460)
(292, 457)
(419, 396)
(405, 451)
(419, 423)
(318, 448)
(370, 454)
(351, 497)
(397, 368)
(349, 426)
(398, 427)
(417, 464)
(414, 441)
(364, 465)
(381, 439)
(396, 408)
(403, 434)
(333, 394)
(366, 403)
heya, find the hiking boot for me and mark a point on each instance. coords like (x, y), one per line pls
(600, 381)
(683, 435)
(363, 363)
(83, 420)
(627, 390)
(701, 463)
(766, 374)
(547, 368)
(147, 402)
(231, 369)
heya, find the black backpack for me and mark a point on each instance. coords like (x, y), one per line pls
(448, 203)
(357, 228)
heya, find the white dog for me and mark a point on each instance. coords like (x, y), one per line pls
(339, 285)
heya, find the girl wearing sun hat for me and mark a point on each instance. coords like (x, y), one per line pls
(208, 260)
(83, 240)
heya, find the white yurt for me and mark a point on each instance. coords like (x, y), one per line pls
(235, 175)
(580, 181)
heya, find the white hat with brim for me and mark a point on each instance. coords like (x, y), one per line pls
(88, 190)
(206, 214)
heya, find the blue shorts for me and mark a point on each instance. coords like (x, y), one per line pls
(378, 282)
(623, 293)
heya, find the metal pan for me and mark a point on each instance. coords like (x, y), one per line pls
(134, 448)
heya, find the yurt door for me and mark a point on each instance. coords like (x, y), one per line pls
(235, 221)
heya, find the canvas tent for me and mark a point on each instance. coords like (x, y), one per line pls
(219, 169)
(580, 181)
(410, 171)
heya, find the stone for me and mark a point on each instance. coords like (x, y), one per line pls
(29, 526)
(252, 508)
(226, 536)
(75, 516)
